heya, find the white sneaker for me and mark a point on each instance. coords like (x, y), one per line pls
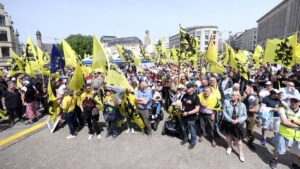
(99, 136)
(71, 136)
(127, 131)
(242, 158)
(90, 136)
(132, 131)
(228, 151)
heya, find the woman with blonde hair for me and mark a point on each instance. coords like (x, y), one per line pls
(235, 114)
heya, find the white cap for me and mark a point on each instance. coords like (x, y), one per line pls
(24, 89)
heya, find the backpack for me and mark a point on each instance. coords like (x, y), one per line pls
(88, 104)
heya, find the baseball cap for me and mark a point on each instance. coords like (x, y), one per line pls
(268, 83)
(295, 98)
(189, 85)
(274, 91)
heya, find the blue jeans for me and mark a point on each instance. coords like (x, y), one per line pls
(189, 126)
(71, 121)
(158, 107)
(112, 128)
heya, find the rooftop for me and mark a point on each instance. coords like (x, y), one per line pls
(272, 10)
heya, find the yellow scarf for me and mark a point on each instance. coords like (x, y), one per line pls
(216, 91)
(210, 102)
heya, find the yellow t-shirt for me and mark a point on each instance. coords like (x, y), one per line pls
(68, 104)
(85, 95)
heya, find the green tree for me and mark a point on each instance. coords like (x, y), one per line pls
(81, 44)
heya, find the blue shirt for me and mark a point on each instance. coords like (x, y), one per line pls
(146, 94)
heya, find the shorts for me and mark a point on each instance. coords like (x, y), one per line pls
(295, 149)
(267, 120)
(250, 123)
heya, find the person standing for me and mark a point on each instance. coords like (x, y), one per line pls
(68, 106)
(11, 101)
(208, 105)
(289, 134)
(144, 101)
(190, 106)
(90, 112)
(110, 112)
(235, 114)
(31, 104)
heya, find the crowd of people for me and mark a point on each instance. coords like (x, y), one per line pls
(210, 104)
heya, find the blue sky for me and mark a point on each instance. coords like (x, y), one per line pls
(60, 18)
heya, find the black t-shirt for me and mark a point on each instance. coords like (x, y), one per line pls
(12, 99)
(30, 95)
(271, 103)
(189, 102)
(264, 76)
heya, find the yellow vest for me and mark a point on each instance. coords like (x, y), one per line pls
(290, 133)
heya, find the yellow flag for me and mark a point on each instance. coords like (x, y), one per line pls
(282, 52)
(16, 65)
(174, 55)
(29, 71)
(86, 70)
(128, 55)
(237, 64)
(211, 53)
(18, 61)
(77, 80)
(100, 58)
(258, 55)
(18, 84)
(243, 56)
(228, 55)
(3, 116)
(51, 96)
(116, 77)
(215, 67)
(188, 46)
(70, 55)
(31, 55)
(146, 55)
(43, 58)
(297, 54)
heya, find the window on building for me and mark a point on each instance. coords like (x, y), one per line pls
(206, 42)
(206, 48)
(3, 35)
(206, 37)
(2, 20)
(5, 51)
(214, 32)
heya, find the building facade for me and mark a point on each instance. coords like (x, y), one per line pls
(249, 39)
(281, 21)
(111, 43)
(165, 41)
(7, 38)
(235, 40)
(203, 33)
